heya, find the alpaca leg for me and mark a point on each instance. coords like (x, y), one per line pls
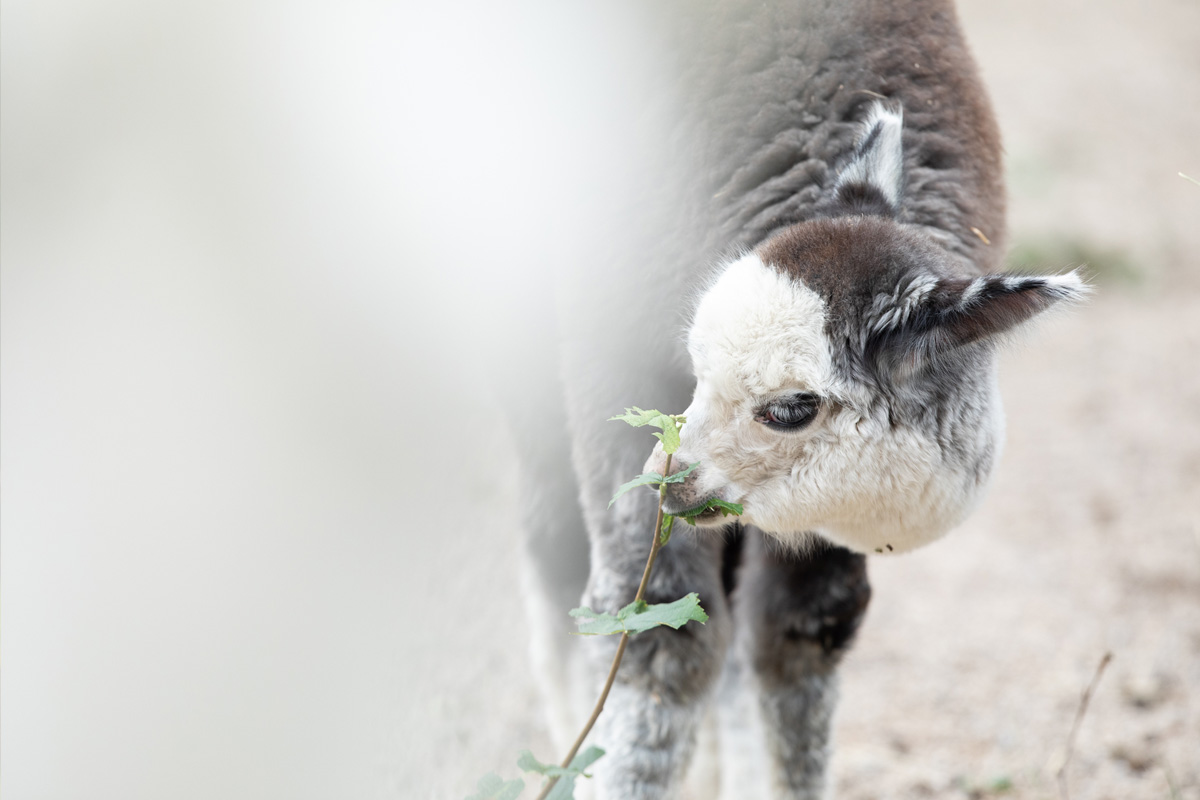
(803, 611)
(745, 766)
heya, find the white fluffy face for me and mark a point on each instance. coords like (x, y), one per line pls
(849, 474)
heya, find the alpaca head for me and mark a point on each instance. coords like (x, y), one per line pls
(845, 374)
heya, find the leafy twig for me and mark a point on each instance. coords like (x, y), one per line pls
(621, 645)
(639, 616)
(634, 618)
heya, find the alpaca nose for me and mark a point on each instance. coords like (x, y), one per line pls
(657, 461)
(682, 496)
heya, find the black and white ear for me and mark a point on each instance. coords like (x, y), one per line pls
(876, 171)
(930, 317)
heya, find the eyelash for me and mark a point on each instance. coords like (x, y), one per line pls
(792, 413)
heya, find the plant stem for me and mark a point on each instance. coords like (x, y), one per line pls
(657, 544)
(612, 671)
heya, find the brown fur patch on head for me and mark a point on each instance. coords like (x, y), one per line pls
(848, 261)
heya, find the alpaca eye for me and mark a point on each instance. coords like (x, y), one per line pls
(790, 413)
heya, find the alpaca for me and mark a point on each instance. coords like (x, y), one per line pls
(842, 381)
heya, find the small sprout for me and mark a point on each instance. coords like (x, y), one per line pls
(1001, 784)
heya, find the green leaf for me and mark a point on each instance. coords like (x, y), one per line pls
(565, 788)
(638, 617)
(668, 423)
(645, 479)
(638, 417)
(664, 534)
(579, 763)
(725, 508)
(669, 437)
(492, 787)
(679, 477)
(527, 762)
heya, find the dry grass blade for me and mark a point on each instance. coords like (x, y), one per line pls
(1061, 775)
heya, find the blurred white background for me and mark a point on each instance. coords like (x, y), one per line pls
(246, 251)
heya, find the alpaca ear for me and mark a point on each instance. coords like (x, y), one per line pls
(929, 317)
(873, 180)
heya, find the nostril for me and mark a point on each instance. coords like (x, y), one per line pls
(674, 500)
(675, 495)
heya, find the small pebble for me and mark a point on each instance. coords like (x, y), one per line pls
(1138, 756)
(1145, 690)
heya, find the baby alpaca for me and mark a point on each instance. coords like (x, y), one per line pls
(842, 384)
(845, 378)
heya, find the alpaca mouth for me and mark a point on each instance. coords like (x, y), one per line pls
(707, 518)
(713, 512)
(684, 508)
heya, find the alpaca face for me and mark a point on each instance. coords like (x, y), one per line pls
(845, 386)
(777, 428)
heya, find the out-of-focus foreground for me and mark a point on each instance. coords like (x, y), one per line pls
(258, 513)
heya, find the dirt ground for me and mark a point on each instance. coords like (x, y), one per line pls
(258, 526)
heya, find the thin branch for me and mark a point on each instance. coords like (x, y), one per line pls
(1061, 775)
(657, 544)
(612, 671)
